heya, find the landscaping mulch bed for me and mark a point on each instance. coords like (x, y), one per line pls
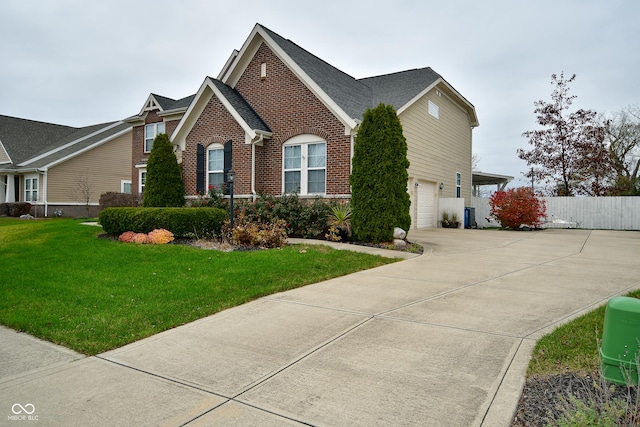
(545, 399)
(410, 247)
(227, 247)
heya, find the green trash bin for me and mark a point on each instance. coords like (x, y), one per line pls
(620, 335)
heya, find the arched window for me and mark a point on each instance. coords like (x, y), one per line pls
(304, 167)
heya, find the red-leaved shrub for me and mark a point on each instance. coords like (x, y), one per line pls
(517, 207)
(127, 236)
(159, 236)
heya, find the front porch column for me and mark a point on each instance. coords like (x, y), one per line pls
(10, 193)
(3, 188)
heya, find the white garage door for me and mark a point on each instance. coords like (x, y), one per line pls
(426, 204)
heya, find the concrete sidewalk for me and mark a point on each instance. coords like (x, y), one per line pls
(442, 339)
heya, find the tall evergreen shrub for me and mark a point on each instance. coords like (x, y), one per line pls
(379, 197)
(163, 187)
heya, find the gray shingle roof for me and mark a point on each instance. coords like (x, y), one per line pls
(164, 102)
(351, 95)
(168, 104)
(182, 103)
(354, 96)
(399, 88)
(26, 139)
(241, 106)
(91, 134)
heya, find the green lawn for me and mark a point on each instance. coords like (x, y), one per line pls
(573, 346)
(62, 283)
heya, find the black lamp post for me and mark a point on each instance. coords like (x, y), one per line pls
(231, 176)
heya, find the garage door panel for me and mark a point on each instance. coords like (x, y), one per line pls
(426, 204)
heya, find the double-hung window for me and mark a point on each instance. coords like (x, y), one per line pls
(215, 166)
(305, 166)
(458, 184)
(142, 180)
(31, 189)
(150, 132)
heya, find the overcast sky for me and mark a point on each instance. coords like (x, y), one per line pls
(83, 62)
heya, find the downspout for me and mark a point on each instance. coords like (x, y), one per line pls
(253, 172)
(253, 165)
(45, 196)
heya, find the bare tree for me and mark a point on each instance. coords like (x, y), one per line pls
(622, 136)
(84, 189)
(475, 162)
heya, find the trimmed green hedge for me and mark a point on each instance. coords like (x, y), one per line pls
(182, 222)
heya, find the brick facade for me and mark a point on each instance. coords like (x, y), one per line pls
(217, 125)
(137, 144)
(289, 108)
(286, 105)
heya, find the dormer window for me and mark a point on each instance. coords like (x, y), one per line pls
(150, 132)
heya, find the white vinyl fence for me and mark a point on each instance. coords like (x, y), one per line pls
(601, 213)
(451, 206)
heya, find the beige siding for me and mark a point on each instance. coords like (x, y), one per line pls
(438, 148)
(102, 169)
(4, 158)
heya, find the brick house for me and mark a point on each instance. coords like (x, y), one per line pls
(286, 121)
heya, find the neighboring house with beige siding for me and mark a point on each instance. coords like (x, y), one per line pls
(437, 122)
(62, 170)
(286, 121)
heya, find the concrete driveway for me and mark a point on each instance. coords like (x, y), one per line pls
(442, 339)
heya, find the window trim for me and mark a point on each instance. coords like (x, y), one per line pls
(153, 126)
(207, 172)
(434, 109)
(29, 192)
(124, 182)
(304, 141)
(142, 172)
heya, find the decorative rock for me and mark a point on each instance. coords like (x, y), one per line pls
(399, 233)
(27, 216)
(399, 243)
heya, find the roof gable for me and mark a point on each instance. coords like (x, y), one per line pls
(348, 98)
(322, 79)
(403, 88)
(162, 102)
(165, 107)
(237, 106)
(399, 88)
(35, 144)
(350, 94)
(4, 156)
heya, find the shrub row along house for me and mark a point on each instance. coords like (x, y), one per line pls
(286, 121)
